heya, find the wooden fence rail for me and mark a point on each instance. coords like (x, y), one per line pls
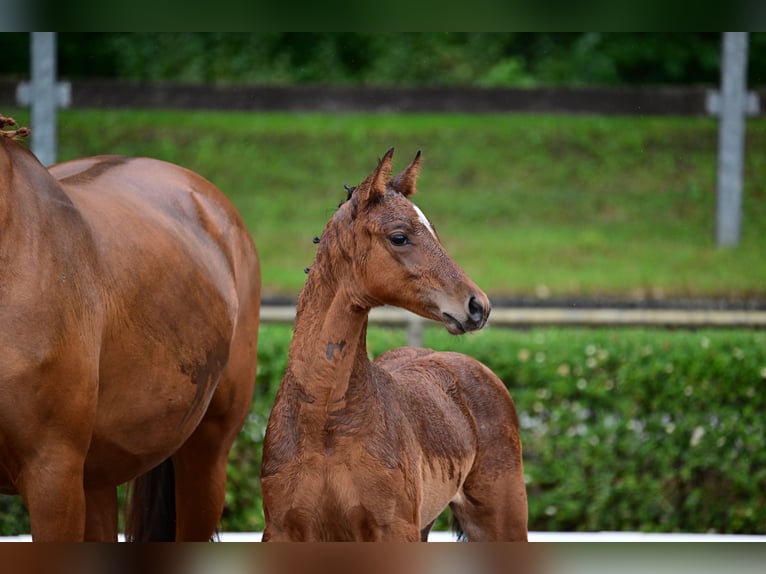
(521, 317)
(643, 101)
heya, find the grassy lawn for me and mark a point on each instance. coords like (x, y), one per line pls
(529, 205)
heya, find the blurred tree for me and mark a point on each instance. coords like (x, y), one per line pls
(488, 59)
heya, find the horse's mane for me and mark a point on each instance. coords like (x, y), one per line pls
(13, 134)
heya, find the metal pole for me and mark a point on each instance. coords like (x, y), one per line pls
(44, 97)
(731, 138)
(414, 331)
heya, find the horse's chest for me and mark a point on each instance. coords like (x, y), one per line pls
(329, 498)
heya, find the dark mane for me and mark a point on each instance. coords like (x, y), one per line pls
(17, 133)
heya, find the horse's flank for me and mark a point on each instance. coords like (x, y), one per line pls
(361, 450)
(129, 298)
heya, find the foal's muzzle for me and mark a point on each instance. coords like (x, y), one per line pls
(472, 317)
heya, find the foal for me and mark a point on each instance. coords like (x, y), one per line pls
(360, 450)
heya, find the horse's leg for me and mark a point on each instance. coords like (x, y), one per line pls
(493, 507)
(425, 531)
(51, 486)
(200, 463)
(101, 514)
(200, 470)
(492, 504)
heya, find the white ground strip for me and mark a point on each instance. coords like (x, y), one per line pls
(533, 537)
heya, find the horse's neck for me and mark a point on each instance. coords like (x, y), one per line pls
(328, 351)
(29, 192)
(20, 204)
(6, 182)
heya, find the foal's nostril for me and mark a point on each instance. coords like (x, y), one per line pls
(475, 309)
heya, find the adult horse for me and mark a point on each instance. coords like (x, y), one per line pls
(129, 304)
(361, 450)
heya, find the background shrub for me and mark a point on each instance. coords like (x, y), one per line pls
(623, 429)
(638, 429)
(418, 59)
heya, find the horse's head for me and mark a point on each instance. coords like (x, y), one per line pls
(396, 256)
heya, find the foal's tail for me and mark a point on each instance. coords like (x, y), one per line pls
(457, 529)
(151, 513)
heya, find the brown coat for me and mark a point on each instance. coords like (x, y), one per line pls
(129, 300)
(361, 450)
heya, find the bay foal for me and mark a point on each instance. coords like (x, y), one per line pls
(360, 450)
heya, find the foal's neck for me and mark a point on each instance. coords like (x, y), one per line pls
(329, 348)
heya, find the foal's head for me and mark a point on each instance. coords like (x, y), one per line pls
(395, 255)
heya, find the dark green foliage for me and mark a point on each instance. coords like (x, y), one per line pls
(13, 516)
(637, 429)
(423, 58)
(623, 429)
(243, 511)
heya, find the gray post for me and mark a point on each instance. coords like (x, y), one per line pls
(731, 138)
(44, 96)
(414, 331)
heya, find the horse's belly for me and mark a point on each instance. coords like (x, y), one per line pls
(441, 484)
(144, 415)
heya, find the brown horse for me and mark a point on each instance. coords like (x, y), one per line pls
(360, 450)
(129, 304)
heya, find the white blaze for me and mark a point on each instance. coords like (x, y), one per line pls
(424, 220)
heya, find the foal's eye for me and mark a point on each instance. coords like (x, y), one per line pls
(398, 239)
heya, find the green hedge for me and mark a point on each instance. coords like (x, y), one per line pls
(623, 429)
(638, 429)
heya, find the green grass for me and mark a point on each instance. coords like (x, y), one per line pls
(562, 205)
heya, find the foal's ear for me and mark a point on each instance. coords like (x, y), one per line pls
(374, 185)
(405, 181)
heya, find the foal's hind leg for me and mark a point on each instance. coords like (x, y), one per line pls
(492, 505)
(493, 509)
